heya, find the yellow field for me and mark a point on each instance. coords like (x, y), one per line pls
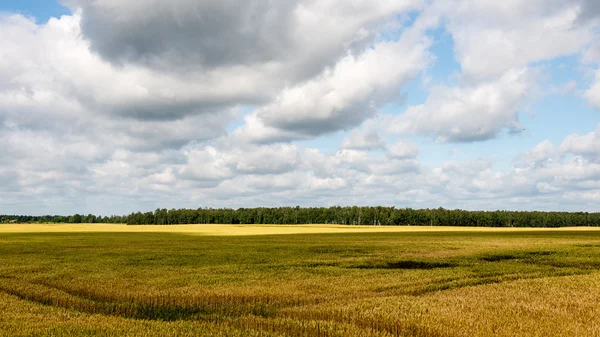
(343, 281)
(243, 230)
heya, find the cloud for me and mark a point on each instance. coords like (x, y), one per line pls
(366, 139)
(496, 45)
(208, 34)
(394, 167)
(58, 55)
(206, 165)
(589, 10)
(339, 98)
(493, 37)
(566, 171)
(593, 93)
(587, 145)
(266, 159)
(238, 55)
(591, 56)
(403, 150)
(465, 114)
(592, 53)
(540, 154)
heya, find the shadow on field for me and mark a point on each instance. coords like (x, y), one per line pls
(404, 264)
(514, 256)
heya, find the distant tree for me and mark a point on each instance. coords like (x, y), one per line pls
(75, 218)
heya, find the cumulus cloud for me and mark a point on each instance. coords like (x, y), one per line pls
(592, 56)
(592, 53)
(367, 138)
(206, 33)
(205, 164)
(493, 37)
(267, 159)
(589, 10)
(403, 150)
(463, 114)
(394, 167)
(62, 74)
(342, 97)
(587, 145)
(218, 34)
(593, 93)
(496, 45)
(539, 155)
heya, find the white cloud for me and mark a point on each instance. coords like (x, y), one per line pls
(462, 114)
(403, 150)
(266, 159)
(540, 154)
(205, 164)
(588, 145)
(592, 53)
(593, 93)
(339, 98)
(394, 167)
(493, 37)
(367, 138)
(50, 81)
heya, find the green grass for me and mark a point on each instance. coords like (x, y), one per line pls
(446, 283)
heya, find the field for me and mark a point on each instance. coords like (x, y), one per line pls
(116, 280)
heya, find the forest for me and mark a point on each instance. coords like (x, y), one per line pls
(373, 216)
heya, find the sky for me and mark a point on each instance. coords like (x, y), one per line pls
(110, 107)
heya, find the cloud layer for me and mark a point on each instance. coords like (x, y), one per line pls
(124, 106)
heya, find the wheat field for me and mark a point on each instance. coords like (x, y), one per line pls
(245, 230)
(115, 280)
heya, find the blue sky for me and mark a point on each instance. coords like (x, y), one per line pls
(41, 10)
(118, 107)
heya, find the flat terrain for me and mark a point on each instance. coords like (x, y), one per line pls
(245, 230)
(115, 280)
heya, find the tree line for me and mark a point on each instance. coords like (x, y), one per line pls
(375, 216)
(75, 218)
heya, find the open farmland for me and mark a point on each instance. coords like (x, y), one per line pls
(116, 280)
